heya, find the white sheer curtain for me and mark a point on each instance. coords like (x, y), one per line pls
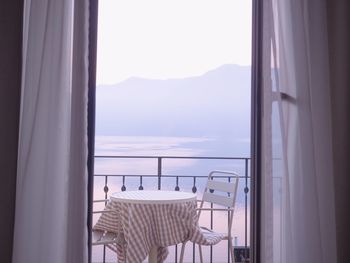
(298, 219)
(51, 201)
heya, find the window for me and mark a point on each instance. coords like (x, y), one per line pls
(172, 102)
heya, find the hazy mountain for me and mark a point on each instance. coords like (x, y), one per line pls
(215, 104)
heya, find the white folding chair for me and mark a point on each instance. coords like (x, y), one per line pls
(103, 237)
(100, 237)
(227, 198)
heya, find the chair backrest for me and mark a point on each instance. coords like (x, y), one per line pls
(219, 192)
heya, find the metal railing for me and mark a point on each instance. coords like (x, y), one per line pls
(160, 176)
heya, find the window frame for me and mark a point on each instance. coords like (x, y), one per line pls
(92, 58)
(256, 130)
(256, 124)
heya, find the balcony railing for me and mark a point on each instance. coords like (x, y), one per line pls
(160, 178)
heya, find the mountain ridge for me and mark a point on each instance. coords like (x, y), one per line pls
(221, 68)
(215, 104)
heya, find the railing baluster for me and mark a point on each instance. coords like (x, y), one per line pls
(177, 188)
(194, 253)
(176, 253)
(123, 186)
(228, 222)
(246, 190)
(159, 172)
(211, 227)
(194, 188)
(141, 187)
(105, 189)
(104, 253)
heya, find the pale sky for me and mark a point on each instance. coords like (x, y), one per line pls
(161, 39)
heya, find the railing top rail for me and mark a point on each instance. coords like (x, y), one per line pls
(171, 157)
(169, 175)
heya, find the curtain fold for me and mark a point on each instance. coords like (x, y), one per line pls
(51, 198)
(298, 187)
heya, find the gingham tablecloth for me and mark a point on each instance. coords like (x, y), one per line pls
(143, 226)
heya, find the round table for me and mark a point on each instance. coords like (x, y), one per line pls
(153, 197)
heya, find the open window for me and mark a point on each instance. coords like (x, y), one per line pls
(173, 102)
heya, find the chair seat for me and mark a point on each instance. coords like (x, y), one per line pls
(103, 237)
(210, 234)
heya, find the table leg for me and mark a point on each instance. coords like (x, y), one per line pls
(152, 257)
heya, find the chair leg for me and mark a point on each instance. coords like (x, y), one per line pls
(182, 252)
(200, 253)
(231, 250)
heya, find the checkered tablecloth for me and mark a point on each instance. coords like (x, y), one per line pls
(143, 226)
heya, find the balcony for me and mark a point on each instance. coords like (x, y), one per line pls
(177, 173)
